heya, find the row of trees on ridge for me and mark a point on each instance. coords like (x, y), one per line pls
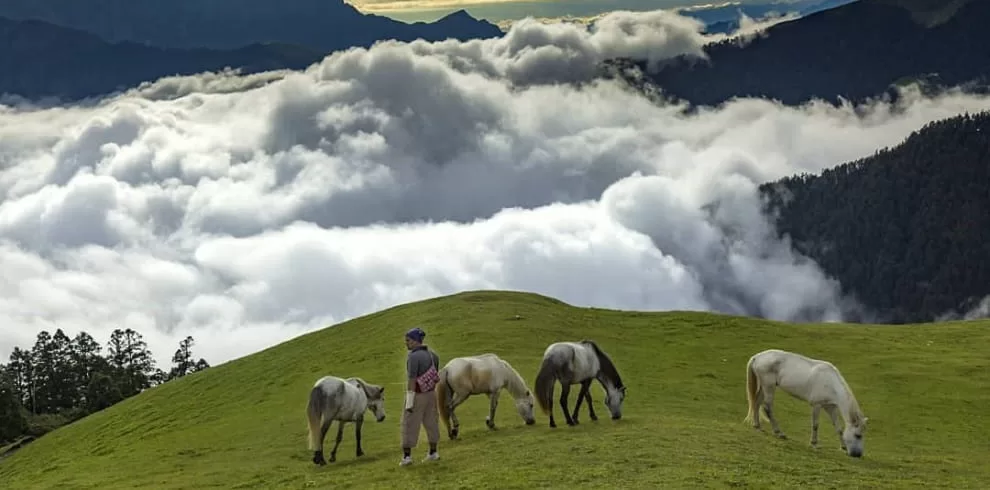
(61, 379)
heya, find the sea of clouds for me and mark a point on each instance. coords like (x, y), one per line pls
(245, 210)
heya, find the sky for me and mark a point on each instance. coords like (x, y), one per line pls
(430, 10)
(246, 210)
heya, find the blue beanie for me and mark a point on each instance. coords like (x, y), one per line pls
(416, 334)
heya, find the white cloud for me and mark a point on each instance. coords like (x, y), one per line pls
(247, 210)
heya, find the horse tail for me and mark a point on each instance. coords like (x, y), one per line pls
(752, 389)
(444, 394)
(544, 385)
(314, 412)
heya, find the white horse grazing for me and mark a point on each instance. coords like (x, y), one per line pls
(817, 382)
(333, 398)
(462, 377)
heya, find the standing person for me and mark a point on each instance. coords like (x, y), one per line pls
(422, 365)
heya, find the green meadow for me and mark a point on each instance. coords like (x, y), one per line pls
(242, 424)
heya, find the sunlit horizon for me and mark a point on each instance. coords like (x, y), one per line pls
(502, 10)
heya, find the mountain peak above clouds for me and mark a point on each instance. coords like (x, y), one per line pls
(328, 25)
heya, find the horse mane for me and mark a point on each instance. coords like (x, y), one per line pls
(607, 367)
(518, 380)
(361, 384)
(856, 416)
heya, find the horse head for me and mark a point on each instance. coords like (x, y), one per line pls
(614, 396)
(524, 405)
(376, 399)
(852, 436)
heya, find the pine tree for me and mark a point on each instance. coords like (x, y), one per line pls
(182, 360)
(21, 371)
(131, 361)
(12, 420)
(86, 363)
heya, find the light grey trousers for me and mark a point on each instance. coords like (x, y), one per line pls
(424, 413)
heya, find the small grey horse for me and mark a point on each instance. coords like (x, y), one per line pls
(334, 398)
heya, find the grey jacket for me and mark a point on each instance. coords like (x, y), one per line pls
(419, 360)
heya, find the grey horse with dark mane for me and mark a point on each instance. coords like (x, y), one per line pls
(343, 400)
(581, 363)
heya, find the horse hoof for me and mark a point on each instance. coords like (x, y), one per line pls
(318, 458)
(780, 435)
(594, 419)
(360, 453)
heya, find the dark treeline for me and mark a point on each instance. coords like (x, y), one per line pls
(906, 230)
(61, 380)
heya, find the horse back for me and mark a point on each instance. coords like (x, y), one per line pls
(795, 373)
(585, 363)
(329, 384)
(474, 374)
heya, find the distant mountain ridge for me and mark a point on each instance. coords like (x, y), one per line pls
(725, 19)
(38, 59)
(854, 51)
(327, 25)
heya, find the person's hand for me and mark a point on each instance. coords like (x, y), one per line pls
(410, 397)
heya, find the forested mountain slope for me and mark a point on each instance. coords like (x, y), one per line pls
(906, 230)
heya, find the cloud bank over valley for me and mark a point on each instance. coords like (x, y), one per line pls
(247, 210)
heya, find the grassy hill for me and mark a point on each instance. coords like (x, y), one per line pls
(925, 389)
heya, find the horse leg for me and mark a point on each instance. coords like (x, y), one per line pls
(492, 405)
(768, 408)
(758, 399)
(815, 409)
(318, 453)
(565, 392)
(830, 409)
(553, 423)
(591, 406)
(357, 436)
(582, 394)
(340, 437)
(455, 401)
